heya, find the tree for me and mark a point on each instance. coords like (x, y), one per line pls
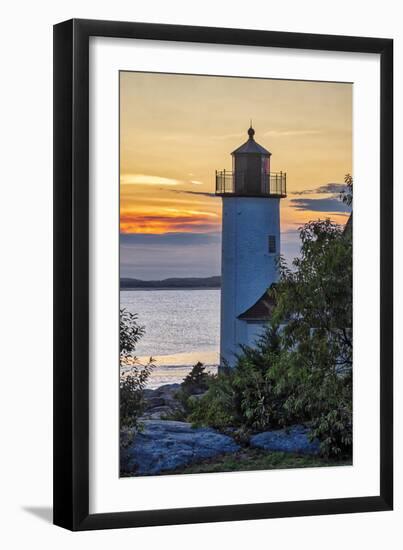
(314, 367)
(316, 295)
(133, 375)
(347, 195)
(130, 333)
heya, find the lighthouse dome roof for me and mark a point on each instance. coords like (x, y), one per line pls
(251, 146)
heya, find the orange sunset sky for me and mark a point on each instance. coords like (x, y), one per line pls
(176, 130)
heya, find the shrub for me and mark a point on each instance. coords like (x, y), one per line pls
(218, 407)
(194, 384)
(196, 381)
(243, 396)
(132, 387)
(133, 377)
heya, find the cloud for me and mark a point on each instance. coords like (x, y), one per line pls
(238, 135)
(146, 256)
(144, 179)
(147, 179)
(182, 239)
(329, 188)
(269, 133)
(291, 133)
(175, 137)
(182, 212)
(290, 245)
(172, 221)
(320, 205)
(202, 193)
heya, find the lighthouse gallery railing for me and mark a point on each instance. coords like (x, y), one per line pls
(273, 184)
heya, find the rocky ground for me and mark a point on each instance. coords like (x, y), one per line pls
(161, 402)
(164, 446)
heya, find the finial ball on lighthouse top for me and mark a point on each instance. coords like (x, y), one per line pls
(251, 146)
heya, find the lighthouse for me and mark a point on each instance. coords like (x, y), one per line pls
(251, 196)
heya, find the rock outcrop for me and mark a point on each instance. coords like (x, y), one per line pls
(164, 445)
(291, 440)
(161, 402)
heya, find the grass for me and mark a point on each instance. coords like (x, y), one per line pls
(256, 459)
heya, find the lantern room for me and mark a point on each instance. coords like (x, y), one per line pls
(250, 175)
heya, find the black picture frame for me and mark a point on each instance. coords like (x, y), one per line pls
(71, 274)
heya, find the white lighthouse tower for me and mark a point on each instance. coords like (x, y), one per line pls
(251, 196)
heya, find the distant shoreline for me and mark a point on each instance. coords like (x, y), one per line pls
(172, 283)
(171, 288)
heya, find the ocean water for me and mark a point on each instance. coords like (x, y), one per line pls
(182, 327)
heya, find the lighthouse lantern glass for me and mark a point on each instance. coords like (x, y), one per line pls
(251, 175)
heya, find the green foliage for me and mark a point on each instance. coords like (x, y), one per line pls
(218, 407)
(244, 397)
(301, 369)
(195, 383)
(132, 387)
(333, 428)
(347, 194)
(130, 333)
(133, 375)
(315, 366)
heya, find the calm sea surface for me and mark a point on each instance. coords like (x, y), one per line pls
(182, 327)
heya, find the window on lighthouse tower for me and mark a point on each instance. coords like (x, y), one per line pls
(272, 244)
